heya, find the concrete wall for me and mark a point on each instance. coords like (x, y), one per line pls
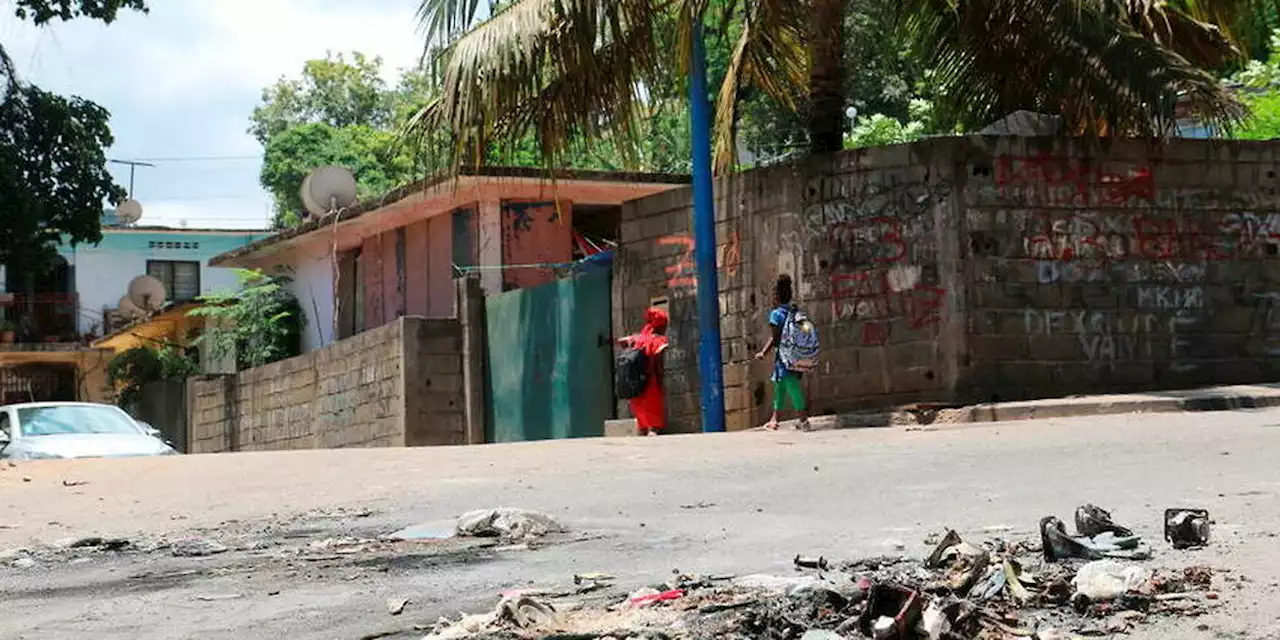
(408, 271)
(365, 391)
(535, 233)
(163, 405)
(965, 269)
(312, 274)
(1129, 268)
(103, 271)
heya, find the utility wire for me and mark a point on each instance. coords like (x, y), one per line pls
(201, 159)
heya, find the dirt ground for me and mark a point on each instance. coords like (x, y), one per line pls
(301, 529)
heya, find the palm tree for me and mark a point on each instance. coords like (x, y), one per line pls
(569, 68)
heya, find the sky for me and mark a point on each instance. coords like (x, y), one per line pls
(181, 82)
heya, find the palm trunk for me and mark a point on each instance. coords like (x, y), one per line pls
(826, 77)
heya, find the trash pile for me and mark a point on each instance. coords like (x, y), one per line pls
(1064, 585)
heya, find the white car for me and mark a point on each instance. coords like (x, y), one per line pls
(58, 430)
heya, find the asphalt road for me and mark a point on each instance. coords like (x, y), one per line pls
(639, 508)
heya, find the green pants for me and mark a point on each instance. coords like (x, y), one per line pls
(789, 386)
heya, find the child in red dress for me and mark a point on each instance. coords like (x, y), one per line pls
(650, 407)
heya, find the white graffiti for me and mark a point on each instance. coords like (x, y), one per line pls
(1109, 322)
(1166, 298)
(903, 277)
(1083, 271)
(1053, 271)
(1252, 227)
(1107, 337)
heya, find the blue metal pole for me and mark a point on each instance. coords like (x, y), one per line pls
(704, 239)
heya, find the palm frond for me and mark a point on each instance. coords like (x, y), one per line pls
(1075, 58)
(769, 55)
(443, 20)
(562, 68)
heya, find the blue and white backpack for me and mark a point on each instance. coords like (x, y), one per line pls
(799, 347)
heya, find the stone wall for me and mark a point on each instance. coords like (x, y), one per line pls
(1126, 268)
(966, 269)
(365, 391)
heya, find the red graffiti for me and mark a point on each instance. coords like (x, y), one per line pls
(875, 334)
(1068, 181)
(1074, 237)
(860, 284)
(876, 295)
(683, 274)
(872, 241)
(1096, 236)
(923, 306)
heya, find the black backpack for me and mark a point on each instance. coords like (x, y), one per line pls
(630, 373)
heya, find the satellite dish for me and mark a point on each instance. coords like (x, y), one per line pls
(128, 309)
(328, 189)
(308, 205)
(146, 293)
(129, 211)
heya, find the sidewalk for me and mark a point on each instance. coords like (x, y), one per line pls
(923, 416)
(1226, 398)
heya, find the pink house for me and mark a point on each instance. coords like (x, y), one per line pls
(399, 255)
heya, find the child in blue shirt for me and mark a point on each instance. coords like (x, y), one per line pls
(787, 384)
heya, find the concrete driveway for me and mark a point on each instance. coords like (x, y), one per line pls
(639, 508)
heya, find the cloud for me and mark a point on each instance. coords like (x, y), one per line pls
(231, 213)
(182, 81)
(190, 52)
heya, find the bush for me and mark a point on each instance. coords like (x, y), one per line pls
(131, 370)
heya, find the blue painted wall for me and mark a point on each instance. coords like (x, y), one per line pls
(102, 272)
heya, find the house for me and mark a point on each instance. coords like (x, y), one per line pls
(56, 314)
(399, 255)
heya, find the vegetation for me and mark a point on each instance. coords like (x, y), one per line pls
(52, 150)
(259, 323)
(339, 111)
(571, 71)
(132, 370)
(880, 129)
(1260, 81)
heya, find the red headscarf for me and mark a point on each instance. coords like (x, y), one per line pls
(655, 320)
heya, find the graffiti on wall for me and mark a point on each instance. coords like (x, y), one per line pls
(876, 247)
(1147, 236)
(1113, 336)
(1086, 225)
(524, 215)
(535, 236)
(682, 276)
(1062, 182)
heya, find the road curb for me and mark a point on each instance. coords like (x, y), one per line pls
(938, 416)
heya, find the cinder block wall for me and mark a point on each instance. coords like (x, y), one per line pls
(979, 268)
(366, 391)
(1119, 268)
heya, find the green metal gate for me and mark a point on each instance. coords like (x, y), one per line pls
(550, 372)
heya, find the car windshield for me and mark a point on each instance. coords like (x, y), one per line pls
(75, 419)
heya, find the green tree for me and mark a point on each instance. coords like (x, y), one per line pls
(571, 69)
(1264, 120)
(331, 91)
(130, 371)
(879, 129)
(52, 150)
(260, 322)
(1260, 81)
(341, 112)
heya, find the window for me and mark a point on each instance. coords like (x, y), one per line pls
(4, 423)
(181, 279)
(75, 419)
(350, 295)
